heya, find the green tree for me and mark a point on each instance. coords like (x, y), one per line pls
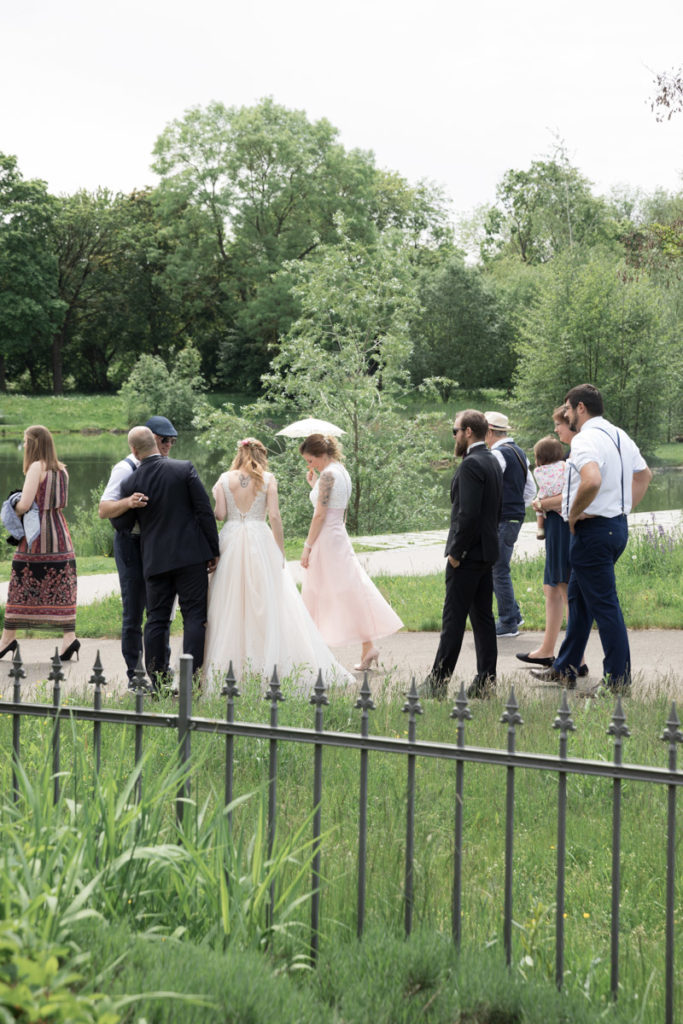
(344, 359)
(592, 321)
(153, 386)
(264, 184)
(460, 332)
(544, 211)
(30, 308)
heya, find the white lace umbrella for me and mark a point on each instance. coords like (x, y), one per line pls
(302, 428)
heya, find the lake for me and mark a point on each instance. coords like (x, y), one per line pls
(89, 459)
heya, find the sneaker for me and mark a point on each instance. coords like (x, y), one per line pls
(503, 631)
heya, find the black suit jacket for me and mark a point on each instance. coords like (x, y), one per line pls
(177, 526)
(476, 497)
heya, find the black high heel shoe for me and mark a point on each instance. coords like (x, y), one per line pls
(73, 648)
(12, 646)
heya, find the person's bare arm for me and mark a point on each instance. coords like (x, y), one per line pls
(641, 482)
(553, 503)
(324, 495)
(274, 517)
(110, 509)
(591, 478)
(30, 488)
(221, 509)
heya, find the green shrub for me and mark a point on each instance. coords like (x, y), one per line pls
(154, 389)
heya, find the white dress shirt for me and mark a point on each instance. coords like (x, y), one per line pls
(616, 456)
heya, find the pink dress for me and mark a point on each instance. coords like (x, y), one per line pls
(342, 600)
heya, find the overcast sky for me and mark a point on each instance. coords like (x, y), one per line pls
(438, 89)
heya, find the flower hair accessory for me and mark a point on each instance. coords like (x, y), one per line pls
(244, 442)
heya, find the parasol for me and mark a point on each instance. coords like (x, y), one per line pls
(302, 428)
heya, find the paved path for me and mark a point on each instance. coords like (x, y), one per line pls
(656, 654)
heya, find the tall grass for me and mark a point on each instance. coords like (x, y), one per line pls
(154, 878)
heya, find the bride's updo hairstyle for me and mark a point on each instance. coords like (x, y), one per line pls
(319, 445)
(251, 458)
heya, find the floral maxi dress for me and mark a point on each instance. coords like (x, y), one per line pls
(42, 586)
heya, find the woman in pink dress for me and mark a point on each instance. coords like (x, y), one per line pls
(343, 601)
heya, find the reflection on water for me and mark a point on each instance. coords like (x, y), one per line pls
(90, 458)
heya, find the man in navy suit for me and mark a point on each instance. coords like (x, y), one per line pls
(179, 545)
(472, 549)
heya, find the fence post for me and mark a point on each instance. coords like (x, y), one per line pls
(564, 723)
(16, 673)
(671, 735)
(140, 688)
(365, 703)
(411, 707)
(98, 681)
(230, 691)
(184, 727)
(619, 730)
(274, 695)
(56, 675)
(461, 712)
(512, 716)
(318, 699)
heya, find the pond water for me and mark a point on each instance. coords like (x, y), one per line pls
(90, 459)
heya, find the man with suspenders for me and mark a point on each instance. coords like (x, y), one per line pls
(127, 544)
(605, 478)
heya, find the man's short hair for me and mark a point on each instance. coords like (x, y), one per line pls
(476, 421)
(589, 395)
(142, 440)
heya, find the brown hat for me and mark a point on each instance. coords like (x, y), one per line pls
(497, 421)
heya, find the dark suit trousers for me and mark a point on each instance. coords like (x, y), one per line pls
(190, 583)
(469, 591)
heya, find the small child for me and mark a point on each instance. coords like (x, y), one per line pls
(549, 474)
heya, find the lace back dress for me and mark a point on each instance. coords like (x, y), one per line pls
(344, 603)
(42, 586)
(256, 617)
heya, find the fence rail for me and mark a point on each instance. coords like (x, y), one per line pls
(185, 724)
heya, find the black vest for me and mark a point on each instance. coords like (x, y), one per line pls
(514, 479)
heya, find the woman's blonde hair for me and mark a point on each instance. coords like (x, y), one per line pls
(251, 458)
(321, 444)
(40, 447)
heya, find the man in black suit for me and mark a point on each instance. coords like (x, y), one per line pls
(472, 548)
(179, 544)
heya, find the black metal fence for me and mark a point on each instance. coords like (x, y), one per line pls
(511, 760)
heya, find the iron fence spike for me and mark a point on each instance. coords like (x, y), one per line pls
(230, 686)
(17, 670)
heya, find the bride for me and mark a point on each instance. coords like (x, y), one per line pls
(256, 617)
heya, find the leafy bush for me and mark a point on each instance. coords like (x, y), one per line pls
(90, 534)
(154, 389)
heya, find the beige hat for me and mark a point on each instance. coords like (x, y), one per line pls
(497, 421)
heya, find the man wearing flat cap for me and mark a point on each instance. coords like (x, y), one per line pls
(127, 544)
(519, 490)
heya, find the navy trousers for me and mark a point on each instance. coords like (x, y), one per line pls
(132, 584)
(594, 548)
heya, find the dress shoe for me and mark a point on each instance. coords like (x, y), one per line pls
(482, 687)
(73, 648)
(366, 663)
(582, 671)
(527, 658)
(11, 646)
(551, 675)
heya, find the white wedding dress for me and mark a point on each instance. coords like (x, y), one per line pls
(256, 617)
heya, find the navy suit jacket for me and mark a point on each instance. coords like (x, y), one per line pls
(476, 503)
(177, 526)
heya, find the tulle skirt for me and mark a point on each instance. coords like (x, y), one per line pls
(256, 617)
(344, 603)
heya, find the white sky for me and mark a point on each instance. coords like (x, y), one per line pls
(456, 93)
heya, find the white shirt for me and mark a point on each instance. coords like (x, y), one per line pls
(122, 469)
(529, 485)
(616, 456)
